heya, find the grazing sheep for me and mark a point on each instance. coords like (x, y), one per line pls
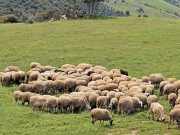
(161, 87)
(101, 114)
(169, 88)
(58, 85)
(77, 102)
(111, 94)
(5, 79)
(176, 86)
(34, 65)
(17, 95)
(113, 104)
(177, 101)
(151, 99)
(38, 101)
(157, 109)
(174, 115)
(145, 79)
(33, 76)
(119, 94)
(25, 87)
(39, 87)
(22, 76)
(156, 79)
(51, 102)
(143, 98)
(171, 100)
(137, 103)
(64, 102)
(92, 100)
(149, 89)
(171, 80)
(102, 102)
(11, 68)
(26, 97)
(69, 84)
(125, 105)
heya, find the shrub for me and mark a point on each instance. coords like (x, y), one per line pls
(9, 19)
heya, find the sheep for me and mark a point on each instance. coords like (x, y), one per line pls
(119, 94)
(5, 79)
(102, 102)
(145, 79)
(22, 76)
(104, 92)
(176, 106)
(176, 86)
(157, 109)
(137, 103)
(34, 64)
(111, 94)
(25, 87)
(101, 114)
(111, 86)
(64, 102)
(171, 80)
(174, 115)
(58, 85)
(69, 84)
(150, 89)
(33, 76)
(151, 99)
(39, 87)
(125, 105)
(171, 100)
(26, 97)
(113, 104)
(17, 95)
(143, 98)
(169, 88)
(92, 100)
(78, 103)
(15, 77)
(124, 72)
(156, 79)
(177, 101)
(38, 101)
(11, 68)
(51, 102)
(161, 87)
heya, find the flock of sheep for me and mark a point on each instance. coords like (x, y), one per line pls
(94, 88)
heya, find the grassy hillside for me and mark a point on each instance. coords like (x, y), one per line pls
(139, 45)
(152, 8)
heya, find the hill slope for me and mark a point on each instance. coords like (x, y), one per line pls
(152, 8)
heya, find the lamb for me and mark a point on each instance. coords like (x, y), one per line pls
(125, 105)
(113, 104)
(174, 115)
(157, 109)
(171, 100)
(101, 114)
(151, 99)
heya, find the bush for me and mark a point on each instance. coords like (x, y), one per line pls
(9, 19)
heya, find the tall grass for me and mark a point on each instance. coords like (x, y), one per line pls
(139, 45)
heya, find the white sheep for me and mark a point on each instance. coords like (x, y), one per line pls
(101, 114)
(157, 109)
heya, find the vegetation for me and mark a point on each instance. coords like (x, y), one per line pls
(37, 10)
(139, 45)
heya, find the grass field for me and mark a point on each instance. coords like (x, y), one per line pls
(139, 45)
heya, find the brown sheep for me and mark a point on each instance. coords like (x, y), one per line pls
(102, 102)
(174, 115)
(25, 87)
(11, 68)
(5, 79)
(157, 109)
(78, 103)
(143, 98)
(151, 99)
(17, 95)
(51, 102)
(156, 79)
(39, 87)
(38, 101)
(34, 65)
(171, 100)
(176, 86)
(169, 88)
(69, 84)
(92, 100)
(125, 105)
(113, 104)
(64, 102)
(101, 114)
(161, 87)
(111, 86)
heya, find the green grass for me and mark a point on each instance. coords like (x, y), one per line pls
(152, 8)
(139, 45)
